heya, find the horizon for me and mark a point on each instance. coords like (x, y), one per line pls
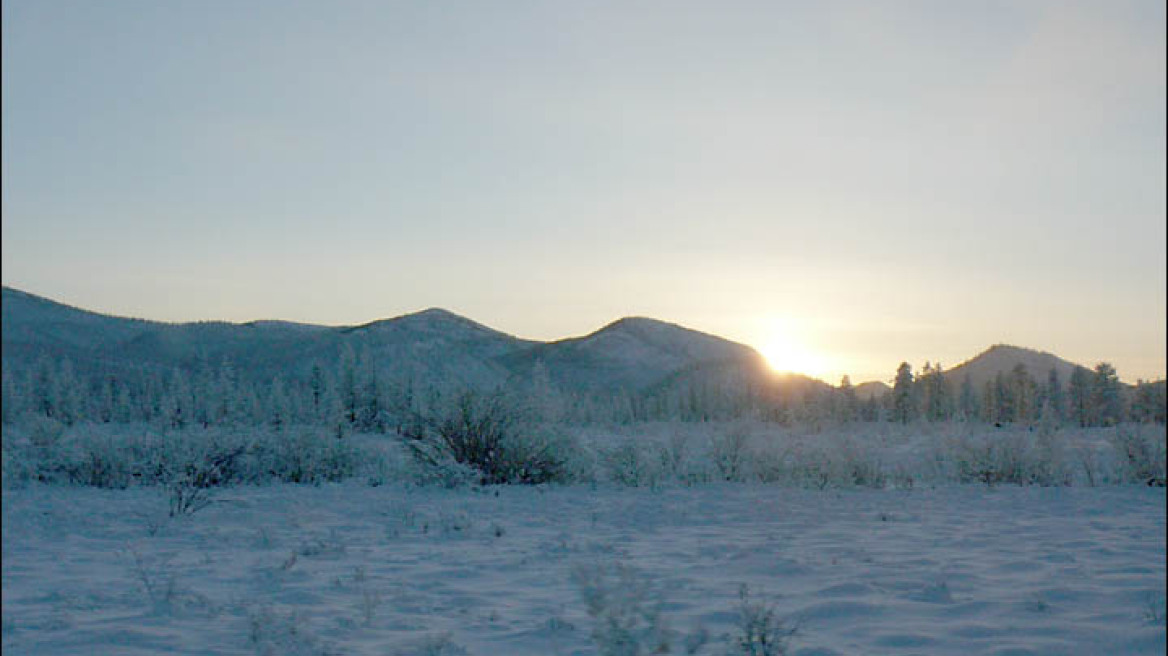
(841, 186)
(855, 380)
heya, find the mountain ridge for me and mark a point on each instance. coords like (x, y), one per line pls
(434, 344)
(634, 352)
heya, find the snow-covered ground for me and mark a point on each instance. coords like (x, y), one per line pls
(352, 569)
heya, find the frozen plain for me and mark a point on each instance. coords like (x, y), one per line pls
(352, 569)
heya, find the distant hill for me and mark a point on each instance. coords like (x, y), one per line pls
(438, 349)
(872, 388)
(1002, 358)
(633, 353)
(432, 348)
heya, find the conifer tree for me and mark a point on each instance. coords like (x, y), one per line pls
(1079, 396)
(968, 400)
(904, 400)
(1055, 397)
(848, 404)
(1105, 399)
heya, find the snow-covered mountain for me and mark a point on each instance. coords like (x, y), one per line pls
(872, 388)
(1002, 358)
(431, 348)
(633, 353)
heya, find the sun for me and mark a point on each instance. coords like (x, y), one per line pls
(786, 355)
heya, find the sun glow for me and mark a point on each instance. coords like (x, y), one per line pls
(787, 355)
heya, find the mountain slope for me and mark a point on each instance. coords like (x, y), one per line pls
(1002, 358)
(432, 348)
(631, 353)
(872, 388)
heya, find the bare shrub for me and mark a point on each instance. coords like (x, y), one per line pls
(760, 631)
(1017, 457)
(730, 453)
(629, 463)
(1141, 452)
(310, 456)
(626, 611)
(493, 434)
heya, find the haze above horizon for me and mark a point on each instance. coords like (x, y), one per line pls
(842, 185)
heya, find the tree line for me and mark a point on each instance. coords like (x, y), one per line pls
(352, 394)
(1090, 398)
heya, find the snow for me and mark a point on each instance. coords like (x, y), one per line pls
(352, 569)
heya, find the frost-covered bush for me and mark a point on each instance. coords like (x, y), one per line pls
(1018, 457)
(1141, 453)
(633, 464)
(495, 435)
(305, 456)
(625, 609)
(184, 460)
(730, 454)
(760, 631)
(95, 457)
(838, 462)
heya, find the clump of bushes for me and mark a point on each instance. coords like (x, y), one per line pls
(1016, 457)
(1141, 451)
(185, 459)
(494, 435)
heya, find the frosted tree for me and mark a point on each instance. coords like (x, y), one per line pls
(849, 405)
(1022, 391)
(1055, 397)
(369, 402)
(279, 406)
(177, 402)
(990, 408)
(316, 389)
(904, 408)
(42, 388)
(224, 397)
(938, 404)
(347, 385)
(1148, 404)
(1106, 409)
(1079, 396)
(1007, 411)
(206, 390)
(967, 402)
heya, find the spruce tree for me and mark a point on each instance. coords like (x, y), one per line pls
(903, 398)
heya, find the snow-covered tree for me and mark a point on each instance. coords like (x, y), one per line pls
(1055, 397)
(1079, 396)
(967, 402)
(1148, 404)
(1022, 393)
(1106, 408)
(904, 408)
(848, 407)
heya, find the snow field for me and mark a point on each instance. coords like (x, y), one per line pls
(352, 569)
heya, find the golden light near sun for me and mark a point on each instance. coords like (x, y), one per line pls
(788, 357)
(786, 353)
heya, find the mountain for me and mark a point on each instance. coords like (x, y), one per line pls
(872, 388)
(432, 348)
(632, 353)
(1002, 358)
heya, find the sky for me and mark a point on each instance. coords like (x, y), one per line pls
(843, 185)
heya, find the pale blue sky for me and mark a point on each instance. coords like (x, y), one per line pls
(864, 182)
